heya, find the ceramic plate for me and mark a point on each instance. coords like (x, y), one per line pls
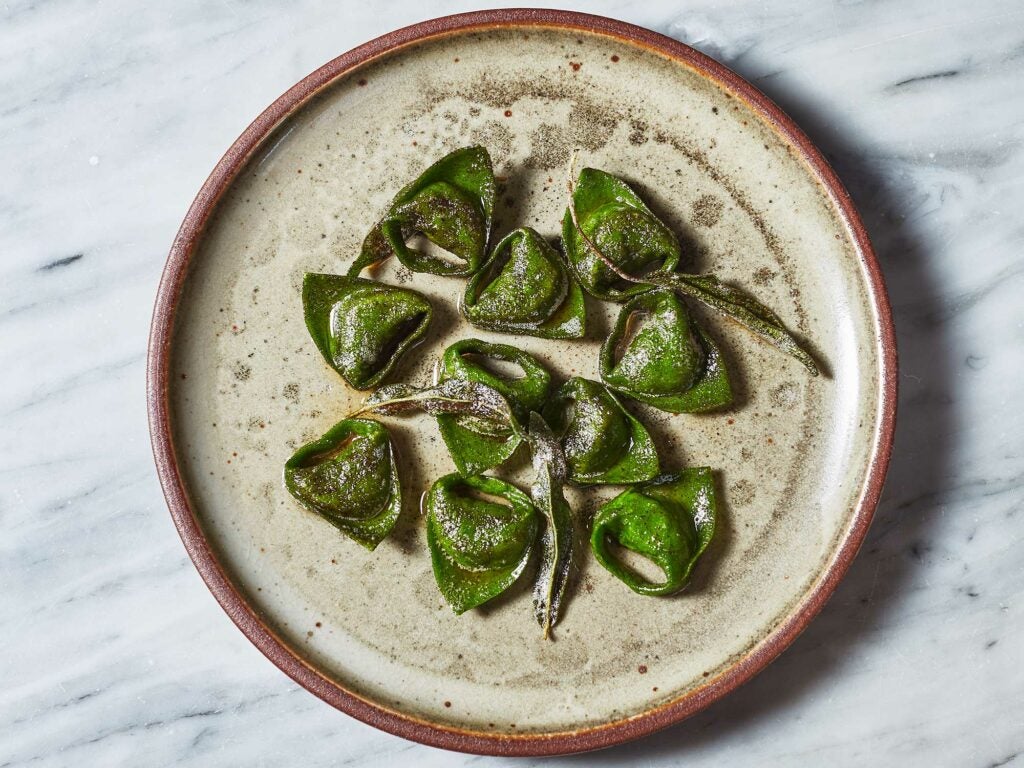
(236, 384)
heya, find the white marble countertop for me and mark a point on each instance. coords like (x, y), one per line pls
(114, 652)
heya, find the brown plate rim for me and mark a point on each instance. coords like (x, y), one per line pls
(246, 617)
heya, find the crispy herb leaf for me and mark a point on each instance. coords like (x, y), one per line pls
(349, 478)
(557, 540)
(584, 247)
(670, 521)
(739, 306)
(457, 396)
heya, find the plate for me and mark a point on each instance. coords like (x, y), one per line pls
(235, 383)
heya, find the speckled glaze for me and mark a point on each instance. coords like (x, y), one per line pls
(236, 383)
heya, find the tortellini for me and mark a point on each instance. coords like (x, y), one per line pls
(362, 327)
(451, 204)
(481, 531)
(603, 443)
(615, 220)
(670, 521)
(525, 287)
(477, 445)
(350, 479)
(658, 355)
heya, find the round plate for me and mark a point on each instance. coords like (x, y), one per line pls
(235, 383)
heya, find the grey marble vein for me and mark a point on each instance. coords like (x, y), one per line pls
(114, 653)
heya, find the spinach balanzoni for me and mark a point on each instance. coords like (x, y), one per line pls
(483, 531)
(451, 204)
(479, 545)
(475, 444)
(603, 443)
(349, 478)
(362, 327)
(608, 229)
(669, 520)
(668, 361)
(525, 287)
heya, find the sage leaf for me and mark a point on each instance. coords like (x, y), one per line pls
(739, 306)
(557, 539)
(453, 396)
(592, 249)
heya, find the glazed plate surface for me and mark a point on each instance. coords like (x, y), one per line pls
(798, 460)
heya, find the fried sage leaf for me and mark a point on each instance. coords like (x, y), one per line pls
(480, 531)
(484, 406)
(557, 541)
(362, 327)
(451, 204)
(525, 287)
(658, 355)
(739, 306)
(455, 396)
(670, 521)
(586, 249)
(349, 478)
(602, 441)
(607, 215)
(475, 444)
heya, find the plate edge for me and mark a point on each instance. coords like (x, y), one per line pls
(245, 617)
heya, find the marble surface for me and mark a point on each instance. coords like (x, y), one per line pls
(114, 653)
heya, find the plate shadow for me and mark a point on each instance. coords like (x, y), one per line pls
(896, 545)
